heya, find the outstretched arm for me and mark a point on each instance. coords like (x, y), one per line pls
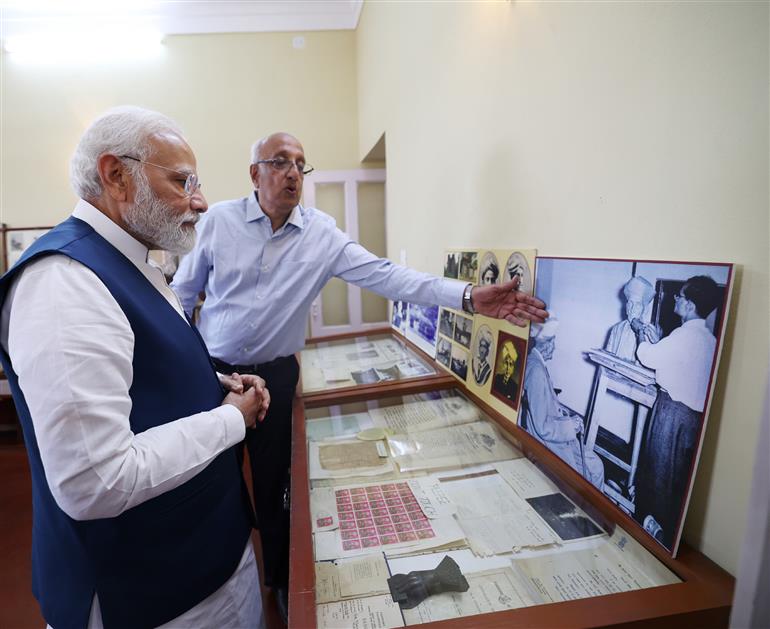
(505, 301)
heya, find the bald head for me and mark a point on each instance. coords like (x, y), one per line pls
(257, 149)
(277, 172)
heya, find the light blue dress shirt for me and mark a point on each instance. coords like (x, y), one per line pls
(260, 285)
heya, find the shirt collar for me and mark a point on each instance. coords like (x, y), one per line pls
(695, 323)
(254, 212)
(111, 232)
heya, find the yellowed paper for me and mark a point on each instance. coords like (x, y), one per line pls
(469, 444)
(351, 578)
(346, 456)
(344, 459)
(372, 612)
(425, 415)
(585, 573)
(525, 478)
(493, 516)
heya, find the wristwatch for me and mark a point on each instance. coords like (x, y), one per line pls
(467, 301)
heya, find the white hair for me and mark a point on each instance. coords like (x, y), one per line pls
(119, 131)
(256, 148)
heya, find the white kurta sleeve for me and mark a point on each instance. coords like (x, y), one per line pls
(72, 347)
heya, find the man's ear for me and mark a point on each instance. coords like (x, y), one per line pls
(114, 175)
(254, 172)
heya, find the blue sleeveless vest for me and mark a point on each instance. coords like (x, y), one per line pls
(162, 557)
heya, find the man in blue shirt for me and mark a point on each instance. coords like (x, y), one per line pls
(261, 261)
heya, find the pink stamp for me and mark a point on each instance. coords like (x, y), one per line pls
(351, 544)
(407, 537)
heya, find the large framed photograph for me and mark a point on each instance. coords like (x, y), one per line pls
(618, 382)
(16, 240)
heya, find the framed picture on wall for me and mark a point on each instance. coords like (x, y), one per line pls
(619, 381)
(16, 240)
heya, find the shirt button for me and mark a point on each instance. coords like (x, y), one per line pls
(266, 267)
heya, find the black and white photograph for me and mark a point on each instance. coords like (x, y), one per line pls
(489, 271)
(463, 330)
(509, 365)
(517, 266)
(398, 316)
(459, 364)
(422, 322)
(446, 323)
(469, 266)
(18, 240)
(444, 352)
(451, 264)
(481, 362)
(372, 375)
(618, 380)
(566, 520)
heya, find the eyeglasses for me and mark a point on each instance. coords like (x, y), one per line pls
(191, 183)
(281, 164)
(679, 295)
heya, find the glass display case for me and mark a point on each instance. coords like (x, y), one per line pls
(487, 527)
(356, 362)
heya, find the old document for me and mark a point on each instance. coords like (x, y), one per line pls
(605, 569)
(337, 426)
(344, 459)
(490, 591)
(469, 444)
(525, 478)
(372, 612)
(494, 518)
(425, 415)
(351, 578)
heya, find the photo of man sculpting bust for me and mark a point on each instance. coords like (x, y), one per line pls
(546, 418)
(622, 340)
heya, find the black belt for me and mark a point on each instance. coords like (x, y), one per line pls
(227, 368)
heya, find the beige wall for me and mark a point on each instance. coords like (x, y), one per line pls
(590, 129)
(225, 91)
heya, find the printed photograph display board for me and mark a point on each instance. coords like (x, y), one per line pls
(488, 355)
(619, 380)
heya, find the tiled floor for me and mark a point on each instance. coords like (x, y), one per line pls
(18, 608)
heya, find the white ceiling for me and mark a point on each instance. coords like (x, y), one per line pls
(180, 17)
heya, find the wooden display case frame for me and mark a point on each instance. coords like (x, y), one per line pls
(331, 396)
(702, 599)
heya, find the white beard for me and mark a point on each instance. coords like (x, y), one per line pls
(153, 221)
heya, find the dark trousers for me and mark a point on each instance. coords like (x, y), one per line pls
(269, 446)
(665, 464)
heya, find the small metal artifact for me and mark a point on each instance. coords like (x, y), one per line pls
(409, 590)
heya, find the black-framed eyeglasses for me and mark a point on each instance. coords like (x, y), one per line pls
(281, 164)
(191, 183)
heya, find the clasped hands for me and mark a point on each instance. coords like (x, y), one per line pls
(248, 394)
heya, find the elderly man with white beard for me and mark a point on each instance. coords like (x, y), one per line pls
(141, 517)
